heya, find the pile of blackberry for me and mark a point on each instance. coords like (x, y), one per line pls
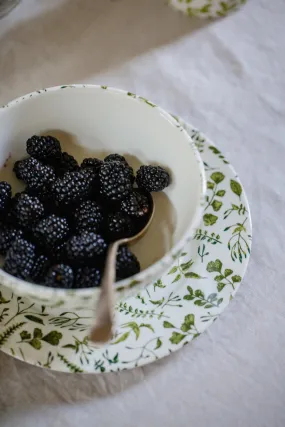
(57, 231)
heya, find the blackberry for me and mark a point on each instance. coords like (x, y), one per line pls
(152, 178)
(136, 204)
(43, 148)
(88, 216)
(73, 187)
(114, 184)
(40, 268)
(7, 236)
(85, 246)
(20, 258)
(51, 231)
(87, 277)
(115, 158)
(5, 195)
(33, 173)
(92, 163)
(27, 210)
(58, 253)
(127, 263)
(119, 226)
(65, 163)
(59, 276)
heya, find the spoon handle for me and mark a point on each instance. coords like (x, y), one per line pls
(102, 331)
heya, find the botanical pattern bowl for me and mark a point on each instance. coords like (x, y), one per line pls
(95, 121)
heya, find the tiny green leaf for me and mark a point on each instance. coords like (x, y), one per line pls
(178, 277)
(221, 286)
(220, 193)
(214, 266)
(176, 337)
(35, 343)
(37, 333)
(122, 338)
(158, 343)
(53, 337)
(199, 294)
(210, 185)
(236, 279)
(219, 278)
(189, 319)
(173, 270)
(34, 318)
(217, 177)
(210, 219)
(212, 297)
(189, 297)
(192, 275)
(190, 290)
(216, 205)
(167, 324)
(228, 272)
(199, 303)
(69, 346)
(25, 335)
(147, 325)
(236, 187)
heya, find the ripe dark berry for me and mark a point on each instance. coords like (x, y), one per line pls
(51, 231)
(119, 226)
(65, 163)
(40, 268)
(152, 178)
(127, 263)
(136, 205)
(43, 148)
(88, 216)
(87, 277)
(73, 187)
(5, 195)
(7, 236)
(60, 276)
(27, 210)
(128, 169)
(114, 184)
(92, 163)
(33, 173)
(85, 247)
(20, 258)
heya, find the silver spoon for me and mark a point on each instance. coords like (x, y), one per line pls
(102, 330)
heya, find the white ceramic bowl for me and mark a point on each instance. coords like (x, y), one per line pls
(95, 121)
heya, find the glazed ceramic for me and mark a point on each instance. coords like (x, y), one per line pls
(171, 312)
(207, 8)
(95, 121)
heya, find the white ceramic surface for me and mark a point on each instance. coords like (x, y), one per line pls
(96, 120)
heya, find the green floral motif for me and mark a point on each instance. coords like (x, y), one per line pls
(238, 244)
(209, 238)
(71, 366)
(183, 271)
(81, 347)
(218, 153)
(187, 329)
(145, 352)
(52, 338)
(49, 360)
(236, 187)
(134, 328)
(70, 320)
(136, 313)
(6, 334)
(240, 210)
(170, 301)
(225, 278)
(4, 313)
(198, 140)
(198, 297)
(33, 316)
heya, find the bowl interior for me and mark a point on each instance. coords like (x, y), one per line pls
(91, 121)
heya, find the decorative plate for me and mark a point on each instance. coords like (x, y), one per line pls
(164, 317)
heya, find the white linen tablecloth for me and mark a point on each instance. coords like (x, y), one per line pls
(226, 77)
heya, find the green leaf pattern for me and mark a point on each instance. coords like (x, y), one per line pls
(162, 318)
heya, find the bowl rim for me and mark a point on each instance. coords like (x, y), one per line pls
(167, 259)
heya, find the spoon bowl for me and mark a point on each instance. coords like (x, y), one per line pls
(102, 331)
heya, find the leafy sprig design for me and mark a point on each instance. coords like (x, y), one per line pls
(134, 328)
(10, 331)
(213, 200)
(146, 351)
(70, 320)
(199, 299)
(81, 347)
(170, 301)
(237, 244)
(204, 235)
(52, 338)
(183, 270)
(187, 328)
(241, 210)
(49, 360)
(218, 153)
(225, 277)
(71, 366)
(126, 309)
(33, 316)
(198, 140)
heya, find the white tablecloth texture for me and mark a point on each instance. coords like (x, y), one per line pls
(227, 77)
